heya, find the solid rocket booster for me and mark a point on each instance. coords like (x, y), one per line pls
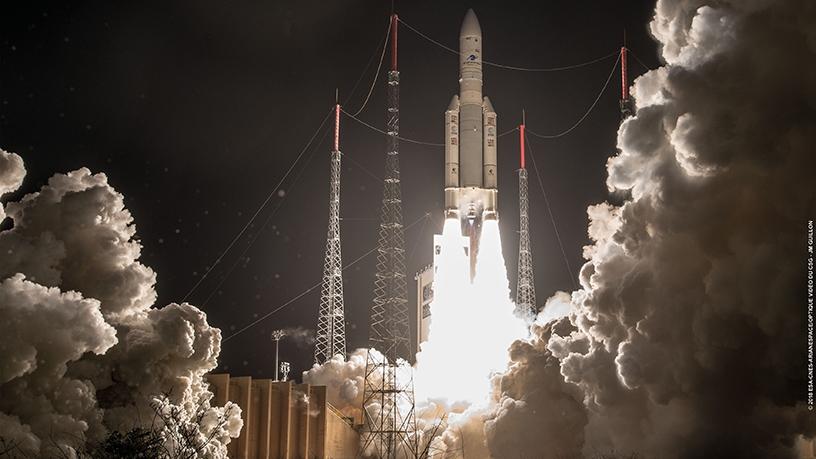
(470, 140)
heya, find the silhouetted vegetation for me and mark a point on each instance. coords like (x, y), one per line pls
(173, 434)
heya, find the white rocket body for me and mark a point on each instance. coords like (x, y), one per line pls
(470, 141)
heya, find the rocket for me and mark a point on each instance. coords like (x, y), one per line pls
(470, 142)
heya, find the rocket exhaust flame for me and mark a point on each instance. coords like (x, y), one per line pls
(473, 322)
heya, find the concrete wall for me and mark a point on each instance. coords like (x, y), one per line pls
(218, 386)
(240, 392)
(340, 441)
(260, 415)
(283, 420)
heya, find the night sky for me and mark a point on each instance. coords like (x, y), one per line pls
(195, 109)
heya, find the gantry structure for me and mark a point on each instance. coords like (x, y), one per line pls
(388, 396)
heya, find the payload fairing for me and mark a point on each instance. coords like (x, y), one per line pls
(470, 142)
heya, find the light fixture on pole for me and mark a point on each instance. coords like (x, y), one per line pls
(277, 335)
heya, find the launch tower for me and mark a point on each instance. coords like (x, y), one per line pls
(389, 331)
(525, 289)
(388, 394)
(331, 325)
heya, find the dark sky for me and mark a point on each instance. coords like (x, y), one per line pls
(195, 109)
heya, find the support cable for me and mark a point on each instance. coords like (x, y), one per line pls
(646, 67)
(265, 223)
(511, 67)
(363, 168)
(260, 208)
(289, 170)
(416, 243)
(377, 74)
(272, 214)
(552, 218)
(365, 69)
(419, 142)
(308, 290)
(507, 132)
(588, 111)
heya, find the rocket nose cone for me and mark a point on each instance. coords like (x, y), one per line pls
(454, 103)
(470, 25)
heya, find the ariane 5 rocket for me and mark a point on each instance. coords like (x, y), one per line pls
(470, 142)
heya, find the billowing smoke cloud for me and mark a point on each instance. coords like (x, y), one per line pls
(12, 172)
(43, 330)
(556, 307)
(460, 434)
(344, 381)
(83, 350)
(688, 336)
(538, 413)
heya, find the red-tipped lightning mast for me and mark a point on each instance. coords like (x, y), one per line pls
(336, 127)
(331, 322)
(521, 141)
(624, 82)
(625, 102)
(394, 21)
(525, 288)
(389, 432)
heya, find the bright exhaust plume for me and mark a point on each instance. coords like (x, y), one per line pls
(472, 323)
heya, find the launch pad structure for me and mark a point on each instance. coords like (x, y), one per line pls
(525, 288)
(389, 331)
(331, 322)
(389, 429)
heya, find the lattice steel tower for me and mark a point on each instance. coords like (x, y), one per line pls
(388, 398)
(389, 332)
(525, 291)
(331, 326)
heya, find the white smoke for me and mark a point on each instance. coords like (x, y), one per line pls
(344, 380)
(556, 307)
(84, 351)
(44, 329)
(538, 413)
(300, 336)
(462, 434)
(12, 172)
(687, 337)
